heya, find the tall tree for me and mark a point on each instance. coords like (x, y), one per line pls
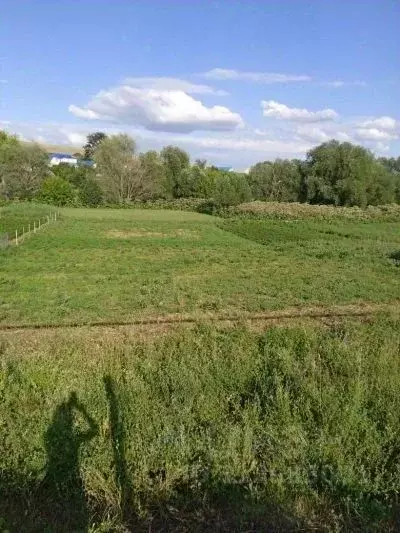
(118, 169)
(92, 143)
(343, 174)
(279, 180)
(23, 166)
(175, 161)
(231, 188)
(153, 176)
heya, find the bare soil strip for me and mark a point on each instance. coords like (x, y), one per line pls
(290, 314)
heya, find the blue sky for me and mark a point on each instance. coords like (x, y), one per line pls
(233, 82)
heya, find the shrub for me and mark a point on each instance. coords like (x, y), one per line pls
(90, 194)
(57, 191)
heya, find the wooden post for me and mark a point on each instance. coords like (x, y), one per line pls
(16, 237)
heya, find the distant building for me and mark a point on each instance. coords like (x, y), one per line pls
(56, 158)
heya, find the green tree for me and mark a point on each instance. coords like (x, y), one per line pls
(231, 188)
(175, 161)
(118, 169)
(392, 165)
(90, 193)
(342, 174)
(153, 176)
(77, 176)
(279, 180)
(56, 191)
(23, 166)
(92, 143)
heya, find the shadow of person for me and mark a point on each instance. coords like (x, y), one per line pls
(117, 433)
(62, 484)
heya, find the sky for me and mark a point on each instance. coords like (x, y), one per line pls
(233, 82)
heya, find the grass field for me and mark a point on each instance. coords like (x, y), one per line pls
(231, 426)
(118, 265)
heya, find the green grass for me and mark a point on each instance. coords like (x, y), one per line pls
(202, 430)
(110, 265)
(15, 217)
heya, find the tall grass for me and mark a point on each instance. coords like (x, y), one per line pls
(202, 430)
(15, 216)
(298, 211)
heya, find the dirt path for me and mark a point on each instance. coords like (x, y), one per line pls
(363, 310)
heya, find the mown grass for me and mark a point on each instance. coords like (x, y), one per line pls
(202, 430)
(16, 216)
(109, 264)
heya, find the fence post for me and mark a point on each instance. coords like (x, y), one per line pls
(16, 237)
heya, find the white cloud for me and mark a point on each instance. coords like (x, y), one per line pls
(76, 138)
(157, 110)
(173, 84)
(374, 134)
(381, 148)
(283, 112)
(312, 133)
(383, 123)
(4, 81)
(316, 134)
(243, 144)
(259, 77)
(340, 83)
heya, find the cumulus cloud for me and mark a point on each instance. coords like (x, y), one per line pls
(316, 134)
(383, 123)
(173, 84)
(259, 77)
(374, 134)
(157, 110)
(312, 133)
(283, 112)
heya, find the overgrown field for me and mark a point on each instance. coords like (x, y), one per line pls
(202, 430)
(118, 265)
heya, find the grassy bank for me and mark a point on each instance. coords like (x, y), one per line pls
(202, 430)
(110, 264)
(16, 216)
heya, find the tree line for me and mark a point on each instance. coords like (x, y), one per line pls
(333, 173)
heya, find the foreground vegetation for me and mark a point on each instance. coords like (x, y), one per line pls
(202, 430)
(118, 265)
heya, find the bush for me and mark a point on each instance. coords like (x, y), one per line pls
(90, 194)
(57, 191)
